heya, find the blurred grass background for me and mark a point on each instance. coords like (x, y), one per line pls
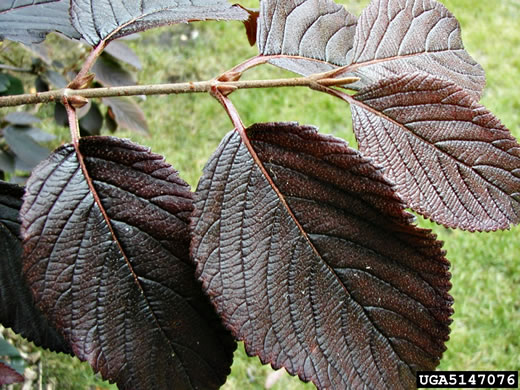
(187, 128)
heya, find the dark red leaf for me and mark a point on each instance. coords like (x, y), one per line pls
(396, 37)
(106, 255)
(451, 159)
(17, 310)
(99, 20)
(309, 257)
(30, 23)
(320, 34)
(8, 375)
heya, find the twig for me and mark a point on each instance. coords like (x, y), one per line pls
(161, 89)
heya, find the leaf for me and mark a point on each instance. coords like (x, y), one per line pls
(30, 23)
(450, 158)
(10, 85)
(110, 73)
(17, 310)
(395, 37)
(92, 122)
(99, 20)
(121, 52)
(127, 114)
(24, 146)
(106, 255)
(8, 375)
(60, 115)
(321, 33)
(251, 25)
(308, 256)
(6, 162)
(21, 118)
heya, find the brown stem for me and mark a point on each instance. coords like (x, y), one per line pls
(87, 65)
(229, 108)
(73, 122)
(246, 65)
(159, 89)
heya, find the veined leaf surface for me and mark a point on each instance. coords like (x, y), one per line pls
(391, 37)
(30, 22)
(310, 36)
(98, 20)
(309, 257)
(398, 37)
(450, 158)
(106, 255)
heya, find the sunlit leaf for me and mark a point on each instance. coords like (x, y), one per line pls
(309, 257)
(319, 33)
(451, 159)
(396, 37)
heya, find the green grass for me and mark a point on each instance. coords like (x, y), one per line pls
(187, 128)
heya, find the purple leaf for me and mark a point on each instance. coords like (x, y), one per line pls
(395, 37)
(309, 257)
(106, 255)
(319, 33)
(450, 158)
(9, 376)
(99, 20)
(127, 114)
(31, 22)
(17, 310)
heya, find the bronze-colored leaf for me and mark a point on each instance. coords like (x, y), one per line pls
(309, 257)
(451, 159)
(396, 37)
(106, 256)
(307, 36)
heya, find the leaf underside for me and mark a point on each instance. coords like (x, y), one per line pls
(320, 33)
(30, 23)
(396, 37)
(106, 255)
(308, 256)
(17, 310)
(96, 21)
(450, 158)
(391, 37)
